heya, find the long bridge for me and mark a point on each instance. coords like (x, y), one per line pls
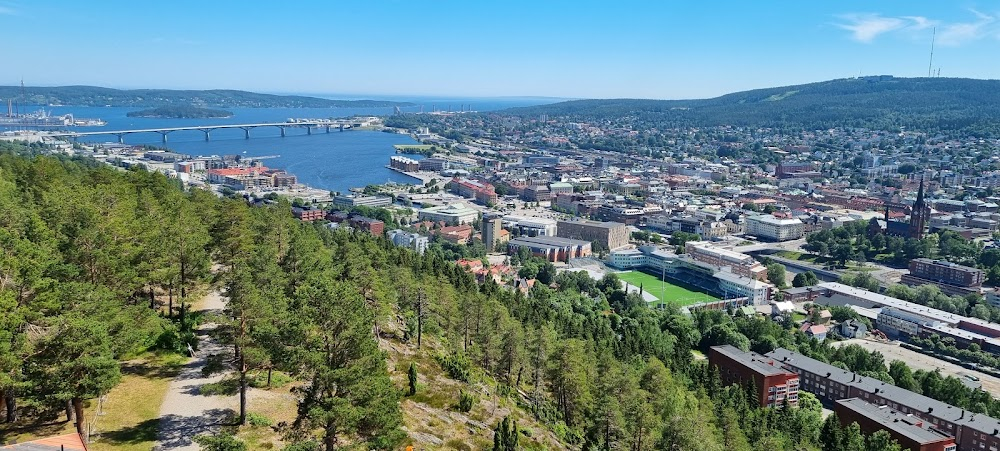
(208, 129)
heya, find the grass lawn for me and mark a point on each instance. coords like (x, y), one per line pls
(128, 419)
(665, 291)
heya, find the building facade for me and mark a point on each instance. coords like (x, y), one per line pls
(612, 235)
(947, 273)
(453, 214)
(775, 385)
(775, 229)
(912, 434)
(830, 384)
(551, 248)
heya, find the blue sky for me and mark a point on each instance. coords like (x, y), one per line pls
(647, 49)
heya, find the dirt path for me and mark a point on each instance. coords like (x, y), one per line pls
(186, 413)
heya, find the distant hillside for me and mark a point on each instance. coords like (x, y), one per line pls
(218, 98)
(884, 102)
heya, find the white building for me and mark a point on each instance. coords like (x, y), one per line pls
(531, 226)
(410, 240)
(771, 228)
(457, 213)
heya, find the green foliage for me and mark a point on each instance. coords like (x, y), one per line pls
(456, 364)
(465, 401)
(411, 376)
(776, 274)
(882, 103)
(220, 442)
(506, 435)
(256, 419)
(805, 279)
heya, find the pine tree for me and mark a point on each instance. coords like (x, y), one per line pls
(411, 374)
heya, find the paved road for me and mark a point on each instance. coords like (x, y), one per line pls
(186, 413)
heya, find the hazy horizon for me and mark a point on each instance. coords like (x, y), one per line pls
(559, 49)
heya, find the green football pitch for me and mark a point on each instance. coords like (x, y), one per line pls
(664, 291)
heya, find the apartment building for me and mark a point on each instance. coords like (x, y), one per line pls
(774, 384)
(952, 278)
(971, 431)
(738, 263)
(612, 235)
(910, 432)
(768, 227)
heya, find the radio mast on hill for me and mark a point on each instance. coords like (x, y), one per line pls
(931, 63)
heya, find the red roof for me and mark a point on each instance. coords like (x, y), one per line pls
(228, 172)
(71, 442)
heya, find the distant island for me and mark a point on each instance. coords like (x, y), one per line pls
(154, 98)
(181, 112)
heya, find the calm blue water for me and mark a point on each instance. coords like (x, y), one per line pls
(336, 161)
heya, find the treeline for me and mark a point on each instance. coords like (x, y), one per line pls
(934, 105)
(224, 98)
(87, 254)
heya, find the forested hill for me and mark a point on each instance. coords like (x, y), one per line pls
(882, 102)
(219, 98)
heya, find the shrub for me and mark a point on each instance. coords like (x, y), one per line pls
(221, 442)
(256, 419)
(465, 401)
(457, 365)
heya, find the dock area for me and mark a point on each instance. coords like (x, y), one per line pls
(423, 176)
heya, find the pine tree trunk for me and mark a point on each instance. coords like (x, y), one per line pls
(69, 412)
(3, 400)
(243, 392)
(11, 401)
(152, 298)
(170, 301)
(269, 369)
(330, 439)
(78, 407)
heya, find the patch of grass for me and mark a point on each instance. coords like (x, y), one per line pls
(256, 419)
(457, 444)
(278, 380)
(226, 387)
(128, 419)
(665, 291)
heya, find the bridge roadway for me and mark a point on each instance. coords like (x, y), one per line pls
(207, 129)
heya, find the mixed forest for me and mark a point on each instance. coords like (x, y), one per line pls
(88, 253)
(934, 105)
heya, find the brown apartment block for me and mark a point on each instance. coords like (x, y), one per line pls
(971, 431)
(774, 384)
(912, 433)
(613, 235)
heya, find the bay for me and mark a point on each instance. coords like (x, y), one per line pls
(335, 161)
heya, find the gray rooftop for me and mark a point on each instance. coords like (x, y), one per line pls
(547, 241)
(900, 423)
(914, 401)
(757, 362)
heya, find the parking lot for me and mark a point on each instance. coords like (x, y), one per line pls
(917, 361)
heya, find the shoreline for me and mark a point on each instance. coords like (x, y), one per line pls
(424, 177)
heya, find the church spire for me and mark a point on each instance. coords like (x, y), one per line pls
(920, 194)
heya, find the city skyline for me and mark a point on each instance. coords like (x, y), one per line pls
(554, 49)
